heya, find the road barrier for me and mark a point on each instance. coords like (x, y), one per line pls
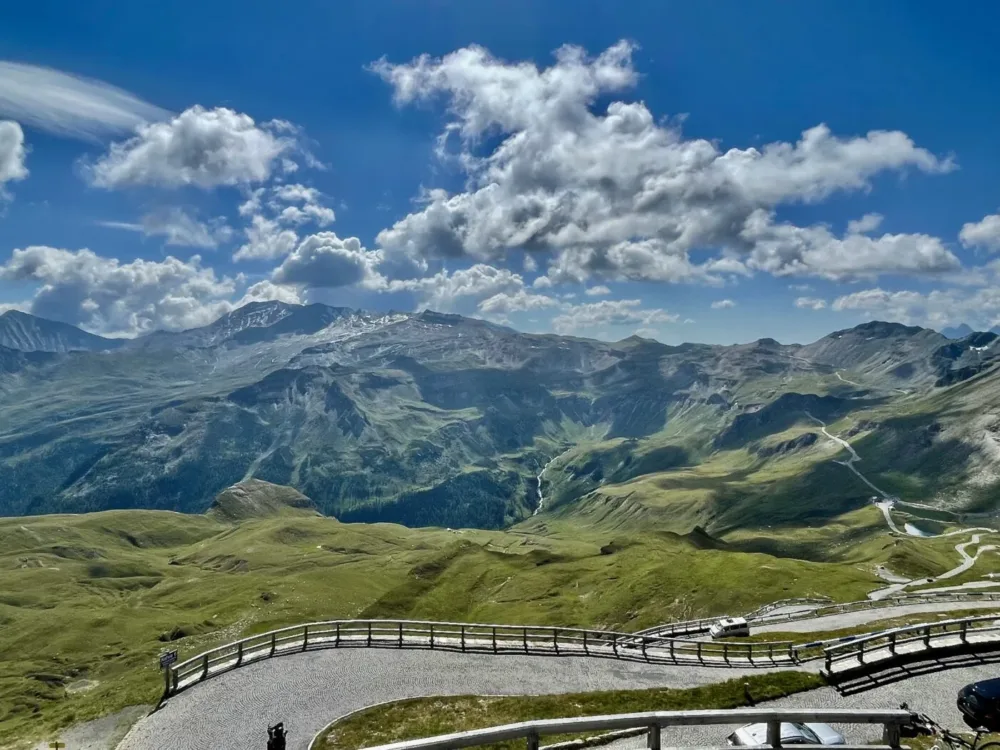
(762, 615)
(472, 638)
(902, 600)
(654, 721)
(649, 646)
(868, 652)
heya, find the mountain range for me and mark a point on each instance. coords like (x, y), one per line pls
(436, 419)
(962, 330)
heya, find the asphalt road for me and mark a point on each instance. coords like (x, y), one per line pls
(933, 694)
(864, 616)
(307, 691)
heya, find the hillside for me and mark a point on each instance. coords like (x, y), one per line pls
(89, 601)
(438, 420)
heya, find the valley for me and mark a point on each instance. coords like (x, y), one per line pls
(291, 463)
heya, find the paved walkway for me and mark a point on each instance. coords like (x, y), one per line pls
(307, 691)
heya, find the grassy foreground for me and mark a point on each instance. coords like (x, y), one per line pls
(88, 602)
(426, 717)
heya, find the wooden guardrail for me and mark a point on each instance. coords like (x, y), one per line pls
(465, 637)
(655, 721)
(865, 652)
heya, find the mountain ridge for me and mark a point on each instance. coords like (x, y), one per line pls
(29, 333)
(428, 418)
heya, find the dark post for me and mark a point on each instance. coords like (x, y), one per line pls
(276, 737)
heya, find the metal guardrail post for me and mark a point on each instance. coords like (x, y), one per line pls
(699, 651)
(463, 639)
(532, 740)
(644, 654)
(861, 652)
(369, 632)
(585, 649)
(964, 633)
(891, 735)
(305, 637)
(774, 733)
(555, 640)
(725, 652)
(672, 657)
(494, 640)
(204, 666)
(892, 643)
(653, 737)
(274, 643)
(524, 632)
(337, 641)
(401, 636)
(239, 653)
(432, 635)
(829, 660)
(927, 637)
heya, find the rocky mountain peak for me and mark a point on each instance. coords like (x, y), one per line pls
(29, 333)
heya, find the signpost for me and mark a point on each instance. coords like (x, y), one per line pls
(166, 659)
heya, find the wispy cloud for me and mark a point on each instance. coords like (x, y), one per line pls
(69, 105)
(178, 227)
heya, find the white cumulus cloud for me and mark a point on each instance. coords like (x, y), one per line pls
(810, 303)
(619, 194)
(266, 239)
(984, 233)
(205, 148)
(324, 260)
(867, 223)
(937, 308)
(106, 295)
(12, 154)
(722, 304)
(298, 204)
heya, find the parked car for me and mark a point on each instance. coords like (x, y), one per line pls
(791, 734)
(730, 627)
(980, 704)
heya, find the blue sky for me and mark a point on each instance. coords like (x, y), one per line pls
(164, 163)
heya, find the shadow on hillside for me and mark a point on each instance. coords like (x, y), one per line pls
(898, 672)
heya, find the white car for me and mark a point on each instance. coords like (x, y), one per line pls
(730, 627)
(791, 734)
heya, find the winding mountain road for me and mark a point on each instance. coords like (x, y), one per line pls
(886, 504)
(309, 690)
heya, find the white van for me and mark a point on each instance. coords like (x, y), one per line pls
(730, 627)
